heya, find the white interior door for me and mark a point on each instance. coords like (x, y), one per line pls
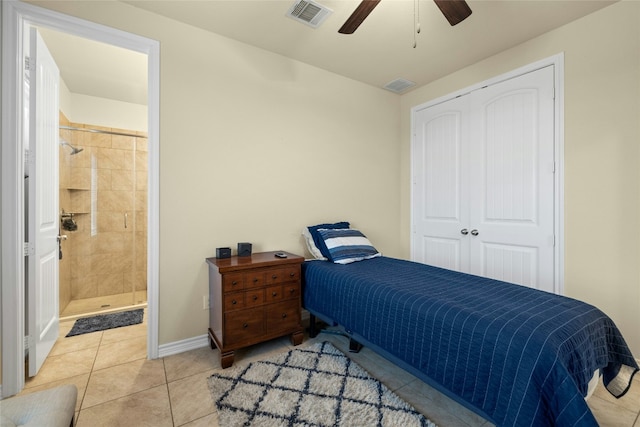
(483, 190)
(512, 192)
(440, 185)
(42, 187)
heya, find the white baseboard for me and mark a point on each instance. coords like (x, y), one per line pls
(197, 342)
(181, 346)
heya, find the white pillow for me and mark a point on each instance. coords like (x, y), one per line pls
(311, 246)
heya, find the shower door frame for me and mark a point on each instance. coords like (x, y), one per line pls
(15, 17)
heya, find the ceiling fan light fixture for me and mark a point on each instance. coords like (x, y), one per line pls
(309, 12)
(399, 85)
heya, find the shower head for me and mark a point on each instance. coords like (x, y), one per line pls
(74, 150)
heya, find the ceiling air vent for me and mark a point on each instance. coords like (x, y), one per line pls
(399, 85)
(309, 12)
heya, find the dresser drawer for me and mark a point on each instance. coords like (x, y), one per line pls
(234, 301)
(232, 282)
(254, 279)
(283, 316)
(244, 325)
(282, 292)
(282, 275)
(274, 293)
(291, 290)
(254, 297)
(292, 273)
(274, 276)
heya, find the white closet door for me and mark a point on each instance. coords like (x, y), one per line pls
(440, 187)
(483, 189)
(512, 189)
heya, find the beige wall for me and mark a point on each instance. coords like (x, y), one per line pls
(81, 108)
(602, 156)
(107, 112)
(253, 147)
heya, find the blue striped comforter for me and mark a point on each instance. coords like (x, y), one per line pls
(518, 355)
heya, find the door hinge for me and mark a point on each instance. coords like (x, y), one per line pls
(27, 63)
(29, 250)
(27, 342)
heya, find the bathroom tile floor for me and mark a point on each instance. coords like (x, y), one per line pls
(118, 386)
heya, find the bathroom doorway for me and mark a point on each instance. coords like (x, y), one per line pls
(18, 17)
(103, 175)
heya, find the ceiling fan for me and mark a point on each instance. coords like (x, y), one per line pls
(455, 11)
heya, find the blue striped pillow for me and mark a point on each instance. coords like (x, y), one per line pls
(317, 240)
(346, 245)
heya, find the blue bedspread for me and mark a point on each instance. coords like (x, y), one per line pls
(522, 357)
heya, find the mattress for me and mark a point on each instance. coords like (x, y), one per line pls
(516, 355)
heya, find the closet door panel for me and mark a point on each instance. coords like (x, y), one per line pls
(512, 189)
(440, 185)
(511, 263)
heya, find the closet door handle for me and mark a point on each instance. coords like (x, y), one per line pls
(464, 231)
(474, 232)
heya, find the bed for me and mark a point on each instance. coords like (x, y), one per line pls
(514, 355)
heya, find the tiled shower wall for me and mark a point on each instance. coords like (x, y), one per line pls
(108, 256)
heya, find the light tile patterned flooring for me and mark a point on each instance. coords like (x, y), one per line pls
(118, 386)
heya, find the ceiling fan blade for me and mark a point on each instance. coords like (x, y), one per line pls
(455, 11)
(358, 16)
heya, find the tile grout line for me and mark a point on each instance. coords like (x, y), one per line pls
(86, 388)
(166, 384)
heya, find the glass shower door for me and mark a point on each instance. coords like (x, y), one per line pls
(106, 198)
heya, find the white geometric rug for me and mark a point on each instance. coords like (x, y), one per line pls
(313, 386)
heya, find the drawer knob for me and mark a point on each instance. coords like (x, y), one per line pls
(274, 277)
(234, 302)
(284, 315)
(274, 294)
(292, 290)
(234, 283)
(255, 280)
(255, 297)
(245, 325)
(292, 274)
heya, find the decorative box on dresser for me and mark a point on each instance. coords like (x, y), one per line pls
(253, 299)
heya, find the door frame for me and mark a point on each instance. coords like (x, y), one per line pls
(557, 61)
(15, 16)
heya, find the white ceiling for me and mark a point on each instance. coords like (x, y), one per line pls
(380, 51)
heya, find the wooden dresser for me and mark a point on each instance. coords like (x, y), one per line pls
(253, 299)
